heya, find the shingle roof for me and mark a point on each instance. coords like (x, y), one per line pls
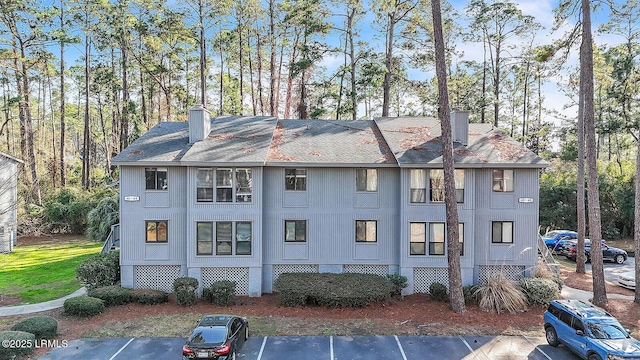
(417, 142)
(12, 158)
(163, 143)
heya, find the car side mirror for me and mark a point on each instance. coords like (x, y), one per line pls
(579, 332)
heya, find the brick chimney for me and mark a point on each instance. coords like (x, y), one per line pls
(199, 124)
(460, 126)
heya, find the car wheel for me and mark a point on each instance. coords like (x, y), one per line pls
(594, 357)
(619, 259)
(552, 337)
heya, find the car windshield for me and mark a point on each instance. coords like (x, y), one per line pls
(551, 234)
(607, 331)
(208, 335)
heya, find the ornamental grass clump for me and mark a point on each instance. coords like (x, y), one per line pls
(501, 294)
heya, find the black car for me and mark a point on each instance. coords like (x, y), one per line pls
(216, 337)
(616, 255)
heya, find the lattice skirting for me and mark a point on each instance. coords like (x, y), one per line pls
(238, 274)
(293, 268)
(157, 277)
(382, 270)
(513, 272)
(423, 277)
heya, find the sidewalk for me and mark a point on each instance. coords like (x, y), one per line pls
(576, 294)
(34, 308)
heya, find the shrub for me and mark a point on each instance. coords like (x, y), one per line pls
(18, 338)
(220, 293)
(539, 291)
(149, 297)
(100, 218)
(543, 271)
(470, 294)
(348, 290)
(83, 306)
(399, 282)
(67, 209)
(112, 295)
(100, 270)
(499, 294)
(42, 327)
(438, 291)
(185, 289)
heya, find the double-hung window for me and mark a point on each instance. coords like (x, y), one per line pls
(231, 185)
(295, 230)
(418, 238)
(418, 185)
(503, 180)
(156, 231)
(437, 236)
(295, 179)
(366, 231)
(502, 232)
(229, 238)
(436, 181)
(367, 180)
(155, 178)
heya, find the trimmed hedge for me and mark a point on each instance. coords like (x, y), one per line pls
(346, 290)
(100, 270)
(21, 343)
(83, 306)
(149, 296)
(438, 292)
(539, 291)
(220, 293)
(185, 289)
(112, 295)
(42, 327)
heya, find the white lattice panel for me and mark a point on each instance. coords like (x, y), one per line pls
(293, 268)
(238, 274)
(157, 277)
(513, 272)
(423, 277)
(382, 270)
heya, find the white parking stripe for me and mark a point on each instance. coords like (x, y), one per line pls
(122, 348)
(264, 342)
(473, 353)
(404, 357)
(538, 348)
(331, 347)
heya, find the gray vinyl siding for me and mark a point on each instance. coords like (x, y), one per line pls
(330, 205)
(8, 200)
(167, 205)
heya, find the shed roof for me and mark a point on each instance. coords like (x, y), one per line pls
(11, 158)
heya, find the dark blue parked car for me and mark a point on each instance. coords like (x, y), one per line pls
(551, 238)
(588, 331)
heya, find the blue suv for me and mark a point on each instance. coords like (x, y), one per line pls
(588, 331)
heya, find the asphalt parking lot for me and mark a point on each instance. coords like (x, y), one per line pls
(327, 348)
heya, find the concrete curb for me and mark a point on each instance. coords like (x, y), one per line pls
(44, 306)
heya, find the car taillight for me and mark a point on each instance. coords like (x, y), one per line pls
(186, 350)
(222, 350)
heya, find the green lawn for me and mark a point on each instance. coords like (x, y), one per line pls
(45, 271)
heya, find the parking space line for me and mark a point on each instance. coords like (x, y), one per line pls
(473, 352)
(264, 342)
(404, 357)
(537, 348)
(122, 348)
(331, 347)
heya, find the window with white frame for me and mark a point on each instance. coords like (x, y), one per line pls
(418, 185)
(156, 231)
(295, 230)
(223, 237)
(503, 180)
(155, 178)
(436, 181)
(417, 238)
(295, 179)
(366, 231)
(438, 235)
(231, 185)
(502, 232)
(367, 180)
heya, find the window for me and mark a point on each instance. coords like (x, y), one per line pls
(366, 180)
(366, 231)
(503, 180)
(231, 185)
(223, 238)
(156, 231)
(295, 179)
(418, 238)
(502, 232)
(204, 236)
(437, 236)
(1, 231)
(295, 230)
(418, 185)
(436, 180)
(155, 178)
